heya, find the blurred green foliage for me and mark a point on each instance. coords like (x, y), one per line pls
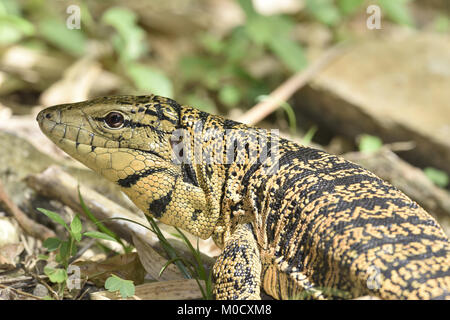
(369, 143)
(442, 23)
(438, 177)
(56, 33)
(129, 39)
(332, 12)
(222, 67)
(216, 76)
(13, 27)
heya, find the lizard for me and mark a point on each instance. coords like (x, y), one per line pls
(296, 221)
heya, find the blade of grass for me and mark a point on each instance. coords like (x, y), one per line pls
(168, 248)
(100, 225)
(200, 269)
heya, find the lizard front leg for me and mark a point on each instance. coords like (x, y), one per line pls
(237, 271)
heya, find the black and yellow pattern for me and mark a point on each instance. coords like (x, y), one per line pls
(296, 221)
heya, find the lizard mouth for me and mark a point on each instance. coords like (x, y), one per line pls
(80, 133)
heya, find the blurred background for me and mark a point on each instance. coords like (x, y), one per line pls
(224, 56)
(383, 100)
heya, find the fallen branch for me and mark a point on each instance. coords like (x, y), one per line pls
(289, 87)
(30, 226)
(20, 292)
(164, 290)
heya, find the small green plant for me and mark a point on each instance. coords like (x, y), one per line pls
(190, 269)
(114, 283)
(222, 68)
(130, 43)
(66, 249)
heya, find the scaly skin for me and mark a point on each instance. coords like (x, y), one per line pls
(299, 222)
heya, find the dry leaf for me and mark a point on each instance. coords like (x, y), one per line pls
(126, 266)
(8, 255)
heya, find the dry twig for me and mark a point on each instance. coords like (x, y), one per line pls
(20, 292)
(289, 87)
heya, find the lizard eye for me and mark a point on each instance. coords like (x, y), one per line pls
(114, 120)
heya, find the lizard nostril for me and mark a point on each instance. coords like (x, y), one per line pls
(48, 115)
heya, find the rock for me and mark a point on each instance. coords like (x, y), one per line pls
(396, 87)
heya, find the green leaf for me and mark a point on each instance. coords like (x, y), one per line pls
(236, 48)
(51, 244)
(74, 250)
(324, 11)
(76, 228)
(14, 28)
(130, 39)
(43, 257)
(247, 7)
(98, 235)
(125, 287)
(73, 41)
(64, 251)
(54, 216)
(148, 79)
(263, 30)
(212, 43)
(229, 95)
(369, 144)
(289, 52)
(9, 7)
(349, 6)
(195, 66)
(397, 11)
(439, 177)
(56, 275)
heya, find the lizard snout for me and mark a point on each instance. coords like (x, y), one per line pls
(48, 114)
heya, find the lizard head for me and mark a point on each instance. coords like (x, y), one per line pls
(129, 141)
(98, 131)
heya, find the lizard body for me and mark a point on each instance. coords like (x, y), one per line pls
(296, 221)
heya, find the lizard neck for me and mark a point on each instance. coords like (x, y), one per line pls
(223, 155)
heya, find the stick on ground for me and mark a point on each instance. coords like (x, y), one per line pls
(289, 87)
